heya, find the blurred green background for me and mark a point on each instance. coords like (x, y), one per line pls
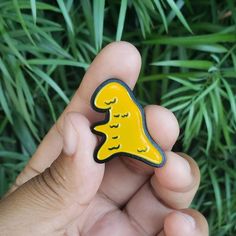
(188, 51)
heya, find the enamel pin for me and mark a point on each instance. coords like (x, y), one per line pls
(124, 130)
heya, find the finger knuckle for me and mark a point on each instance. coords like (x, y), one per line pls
(51, 186)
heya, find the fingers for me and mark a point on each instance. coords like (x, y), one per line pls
(123, 177)
(120, 60)
(62, 191)
(164, 129)
(162, 125)
(177, 182)
(171, 187)
(184, 223)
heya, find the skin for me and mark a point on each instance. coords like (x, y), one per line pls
(62, 191)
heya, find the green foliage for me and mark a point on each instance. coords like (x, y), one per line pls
(188, 50)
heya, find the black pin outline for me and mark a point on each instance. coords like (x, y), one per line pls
(106, 111)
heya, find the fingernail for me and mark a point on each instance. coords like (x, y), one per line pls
(188, 221)
(70, 140)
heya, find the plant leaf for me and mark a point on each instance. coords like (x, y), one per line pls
(121, 20)
(193, 64)
(65, 13)
(178, 13)
(98, 19)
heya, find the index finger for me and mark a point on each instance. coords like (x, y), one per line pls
(117, 60)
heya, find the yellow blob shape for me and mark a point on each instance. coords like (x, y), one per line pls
(124, 131)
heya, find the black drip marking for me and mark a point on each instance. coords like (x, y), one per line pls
(118, 115)
(114, 126)
(125, 115)
(115, 137)
(111, 102)
(114, 148)
(142, 150)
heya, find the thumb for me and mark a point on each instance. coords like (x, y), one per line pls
(63, 190)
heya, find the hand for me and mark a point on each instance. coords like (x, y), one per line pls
(62, 191)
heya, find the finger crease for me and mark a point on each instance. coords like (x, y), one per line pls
(37, 172)
(60, 180)
(135, 223)
(49, 186)
(104, 195)
(156, 195)
(52, 175)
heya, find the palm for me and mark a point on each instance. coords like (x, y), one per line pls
(124, 204)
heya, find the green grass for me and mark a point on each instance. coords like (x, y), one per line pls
(188, 50)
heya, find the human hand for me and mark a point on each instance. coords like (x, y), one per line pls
(63, 191)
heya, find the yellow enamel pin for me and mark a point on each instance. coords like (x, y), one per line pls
(124, 130)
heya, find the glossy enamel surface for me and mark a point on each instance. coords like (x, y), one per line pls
(124, 129)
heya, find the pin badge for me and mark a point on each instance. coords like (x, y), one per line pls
(124, 130)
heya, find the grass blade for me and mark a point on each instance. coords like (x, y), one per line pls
(51, 82)
(194, 64)
(13, 155)
(33, 9)
(193, 40)
(4, 104)
(98, 20)
(178, 13)
(65, 14)
(87, 11)
(213, 48)
(57, 62)
(217, 193)
(231, 97)
(208, 125)
(22, 21)
(121, 21)
(161, 11)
